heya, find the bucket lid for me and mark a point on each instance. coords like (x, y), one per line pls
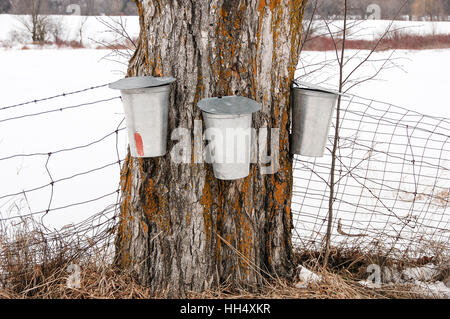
(228, 105)
(141, 82)
(310, 86)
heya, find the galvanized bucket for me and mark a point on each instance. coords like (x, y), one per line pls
(312, 112)
(146, 106)
(228, 123)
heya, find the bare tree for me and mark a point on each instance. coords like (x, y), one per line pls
(348, 77)
(5, 6)
(346, 82)
(81, 29)
(433, 9)
(123, 46)
(37, 25)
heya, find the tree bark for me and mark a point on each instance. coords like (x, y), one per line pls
(180, 229)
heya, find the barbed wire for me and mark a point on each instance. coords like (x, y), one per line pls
(53, 97)
(98, 226)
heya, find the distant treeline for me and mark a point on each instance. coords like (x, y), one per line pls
(362, 9)
(388, 9)
(67, 7)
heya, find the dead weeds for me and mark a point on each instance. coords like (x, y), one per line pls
(35, 265)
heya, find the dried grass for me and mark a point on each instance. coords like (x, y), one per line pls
(333, 286)
(34, 265)
(394, 41)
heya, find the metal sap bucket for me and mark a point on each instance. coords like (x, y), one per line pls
(312, 112)
(146, 105)
(228, 122)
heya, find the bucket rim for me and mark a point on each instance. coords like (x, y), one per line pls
(313, 87)
(314, 92)
(224, 116)
(141, 82)
(229, 105)
(155, 89)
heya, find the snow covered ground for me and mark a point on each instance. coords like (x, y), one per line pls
(44, 73)
(416, 80)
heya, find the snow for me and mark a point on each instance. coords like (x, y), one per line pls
(434, 290)
(420, 278)
(417, 80)
(424, 273)
(93, 30)
(306, 277)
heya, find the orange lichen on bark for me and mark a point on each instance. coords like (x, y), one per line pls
(277, 14)
(287, 211)
(155, 208)
(206, 199)
(151, 206)
(242, 238)
(219, 220)
(188, 217)
(261, 6)
(261, 11)
(229, 27)
(144, 226)
(158, 66)
(143, 34)
(246, 244)
(206, 202)
(124, 229)
(274, 4)
(297, 9)
(280, 193)
(247, 196)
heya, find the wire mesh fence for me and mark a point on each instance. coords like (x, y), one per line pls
(392, 183)
(392, 188)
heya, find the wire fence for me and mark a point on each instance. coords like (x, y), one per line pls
(101, 210)
(392, 188)
(392, 183)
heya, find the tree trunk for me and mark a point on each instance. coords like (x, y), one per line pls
(181, 229)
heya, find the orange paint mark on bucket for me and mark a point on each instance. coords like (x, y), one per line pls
(139, 144)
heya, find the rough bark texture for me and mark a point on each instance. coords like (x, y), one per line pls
(180, 228)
